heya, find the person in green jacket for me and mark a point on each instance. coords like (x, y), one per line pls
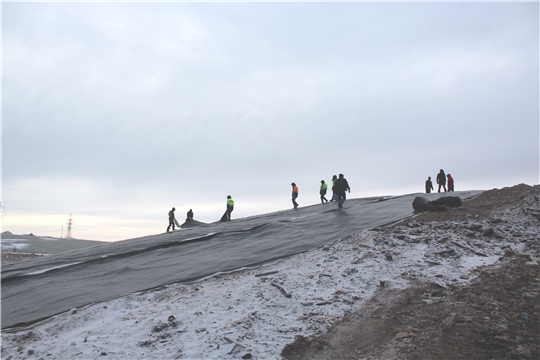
(230, 207)
(324, 188)
(334, 196)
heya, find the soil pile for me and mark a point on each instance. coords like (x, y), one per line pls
(495, 316)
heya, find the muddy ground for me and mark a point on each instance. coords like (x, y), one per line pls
(495, 316)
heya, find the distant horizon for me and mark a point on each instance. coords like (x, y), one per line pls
(259, 214)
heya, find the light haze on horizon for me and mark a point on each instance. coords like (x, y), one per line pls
(116, 112)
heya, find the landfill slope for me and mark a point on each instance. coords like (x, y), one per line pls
(40, 288)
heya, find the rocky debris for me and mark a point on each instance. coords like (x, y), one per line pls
(160, 326)
(447, 323)
(349, 271)
(494, 317)
(281, 288)
(13, 257)
(363, 256)
(297, 344)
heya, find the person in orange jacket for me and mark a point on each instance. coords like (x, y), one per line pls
(294, 195)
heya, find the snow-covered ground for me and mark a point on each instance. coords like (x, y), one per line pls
(42, 244)
(14, 245)
(254, 313)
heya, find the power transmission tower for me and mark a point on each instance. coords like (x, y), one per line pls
(68, 232)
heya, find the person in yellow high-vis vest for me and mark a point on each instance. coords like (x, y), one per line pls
(230, 207)
(324, 188)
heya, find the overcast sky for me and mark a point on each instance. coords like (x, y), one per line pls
(116, 112)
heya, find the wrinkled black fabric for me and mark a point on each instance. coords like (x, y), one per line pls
(224, 217)
(189, 223)
(40, 288)
(442, 204)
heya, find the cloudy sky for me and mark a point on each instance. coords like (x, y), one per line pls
(115, 112)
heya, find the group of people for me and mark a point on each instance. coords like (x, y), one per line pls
(441, 181)
(173, 221)
(189, 216)
(339, 188)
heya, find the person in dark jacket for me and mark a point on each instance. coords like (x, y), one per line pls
(340, 187)
(429, 185)
(294, 195)
(189, 215)
(441, 180)
(171, 219)
(450, 182)
(322, 191)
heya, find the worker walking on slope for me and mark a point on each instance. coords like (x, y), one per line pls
(230, 207)
(429, 185)
(322, 191)
(294, 195)
(334, 178)
(340, 187)
(441, 180)
(172, 219)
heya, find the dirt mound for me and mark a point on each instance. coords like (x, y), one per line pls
(495, 316)
(481, 206)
